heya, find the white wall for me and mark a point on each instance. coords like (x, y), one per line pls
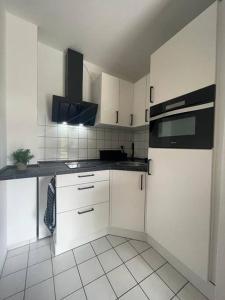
(220, 155)
(21, 118)
(3, 237)
(21, 85)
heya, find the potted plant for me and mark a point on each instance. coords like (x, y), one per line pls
(21, 158)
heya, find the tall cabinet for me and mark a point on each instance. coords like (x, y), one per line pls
(179, 187)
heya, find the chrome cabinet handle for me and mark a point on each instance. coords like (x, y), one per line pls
(149, 167)
(151, 90)
(89, 175)
(86, 187)
(85, 211)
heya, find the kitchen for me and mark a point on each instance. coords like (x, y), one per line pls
(134, 162)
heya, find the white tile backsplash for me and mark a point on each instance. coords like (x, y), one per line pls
(76, 142)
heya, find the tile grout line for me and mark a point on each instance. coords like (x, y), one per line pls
(132, 274)
(79, 275)
(26, 273)
(53, 274)
(103, 268)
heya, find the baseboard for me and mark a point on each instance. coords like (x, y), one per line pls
(207, 288)
(127, 233)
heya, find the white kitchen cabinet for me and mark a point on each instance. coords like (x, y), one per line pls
(187, 61)
(79, 178)
(82, 202)
(106, 93)
(21, 211)
(126, 103)
(141, 101)
(127, 202)
(73, 197)
(179, 205)
(75, 226)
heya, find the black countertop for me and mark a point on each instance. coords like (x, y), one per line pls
(59, 167)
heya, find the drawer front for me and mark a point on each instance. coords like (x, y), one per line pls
(74, 197)
(76, 224)
(78, 178)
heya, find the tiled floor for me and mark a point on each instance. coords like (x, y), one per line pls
(106, 269)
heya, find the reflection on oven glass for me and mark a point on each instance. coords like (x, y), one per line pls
(178, 127)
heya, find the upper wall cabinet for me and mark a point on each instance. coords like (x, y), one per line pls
(106, 93)
(187, 61)
(126, 103)
(115, 99)
(141, 101)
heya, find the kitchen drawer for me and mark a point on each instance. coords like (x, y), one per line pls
(78, 178)
(77, 224)
(76, 196)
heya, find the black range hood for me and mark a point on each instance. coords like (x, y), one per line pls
(71, 109)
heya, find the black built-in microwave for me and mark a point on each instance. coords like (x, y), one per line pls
(186, 122)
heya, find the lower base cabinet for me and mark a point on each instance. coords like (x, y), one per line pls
(78, 224)
(127, 200)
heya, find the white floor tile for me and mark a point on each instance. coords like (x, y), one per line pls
(12, 284)
(172, 277)
(139, 245)
(126, 251)
(121, 280)
(189, 292)
(100, 289)
(18, 296)
(101, 245)
(15, 263)
(109, 260)
(40, 243)
(135, 294)
(153, 258)
(156, 289)
(63, 262)
(90, 270)
(18, 251)
(39, 272)
(78, 295)
(67, 283)
(38, 255)
(116, 240)
(43, 291)
(139, 268)
(83, 253)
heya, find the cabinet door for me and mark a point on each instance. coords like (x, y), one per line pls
(187, 61)
(178, 204)
(109, 99)
(125, 103)
(139, 102)
(147, 99)
(127, 200)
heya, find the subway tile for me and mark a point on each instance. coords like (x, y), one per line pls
(62, 131)
(51, 131)
(50, 142)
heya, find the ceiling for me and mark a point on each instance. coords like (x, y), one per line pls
(118, 35)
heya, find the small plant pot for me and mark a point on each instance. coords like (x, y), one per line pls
(21, 166)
